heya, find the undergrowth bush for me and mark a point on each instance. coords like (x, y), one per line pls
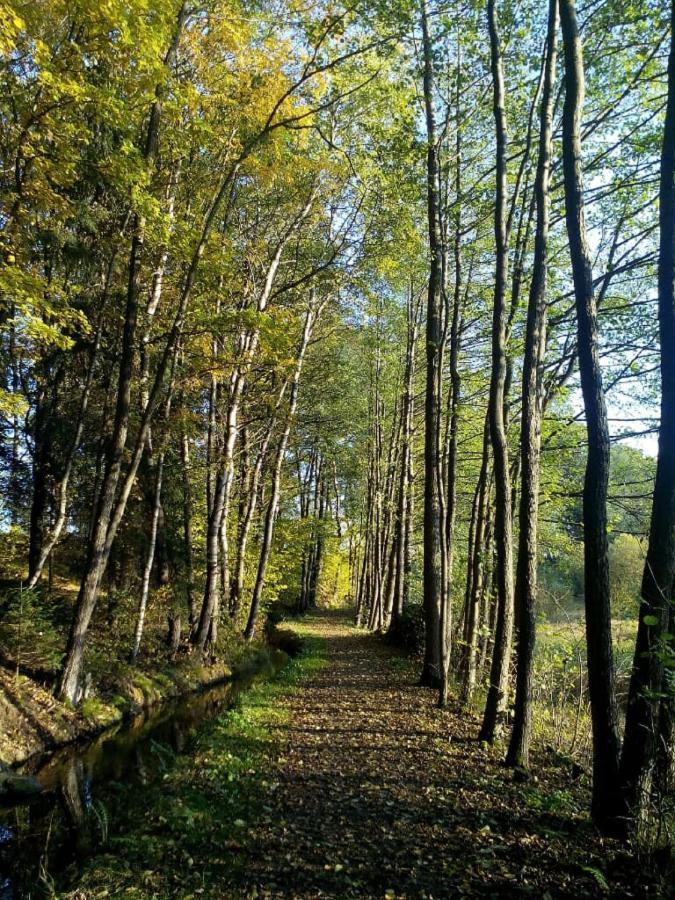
(28, 633)
(407, 630)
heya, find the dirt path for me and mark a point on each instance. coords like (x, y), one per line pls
(372, 798)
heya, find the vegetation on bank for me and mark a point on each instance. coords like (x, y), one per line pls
(32, 631)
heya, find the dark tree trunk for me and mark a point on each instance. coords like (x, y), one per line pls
(317, 555)
(642, 714)
(499, 672)
(41, 455)
(432, 580)
(596, 565)
(14, 485)
(162, 561)
(664, 767)
(173, 632)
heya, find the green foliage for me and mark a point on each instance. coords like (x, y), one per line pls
(13, 549)
(28, 634)
(626, 563)
(316, 122)
(335, 575)
(560, 802)
(598, 876)
(100, 813)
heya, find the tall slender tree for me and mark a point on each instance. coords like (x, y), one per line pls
(646, 686)
(432, 403)
(600, 657)
(499, 672)
(530, 434)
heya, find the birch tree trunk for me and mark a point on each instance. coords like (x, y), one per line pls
(218, 515)
(273, 505)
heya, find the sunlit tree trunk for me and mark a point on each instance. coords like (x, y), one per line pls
(405, 481)
(150, 556)
(218, 516)
(249, 484)
(109, 510)
(476, 564)
(273, 504)
(532, 401)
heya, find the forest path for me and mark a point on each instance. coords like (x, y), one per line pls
(378, 793)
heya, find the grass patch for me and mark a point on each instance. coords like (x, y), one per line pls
(99, 713)
(187, 834)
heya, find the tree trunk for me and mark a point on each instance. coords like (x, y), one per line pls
(273, 505)
(314, 567)
(530, 439)
(475, 574)
(249, 487)
(147, 569)
(501, 659)
(108, 512)
(156, 530)
(97, 556)
(218, 515)
(40, 469)
(187, 530)
(604, 805)
(453, 409)
(642, 714)
(50, 540)
(432, 584)
(14, 485)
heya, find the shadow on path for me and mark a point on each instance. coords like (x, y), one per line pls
(380, 794)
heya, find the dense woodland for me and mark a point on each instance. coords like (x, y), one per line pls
(311, 303)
